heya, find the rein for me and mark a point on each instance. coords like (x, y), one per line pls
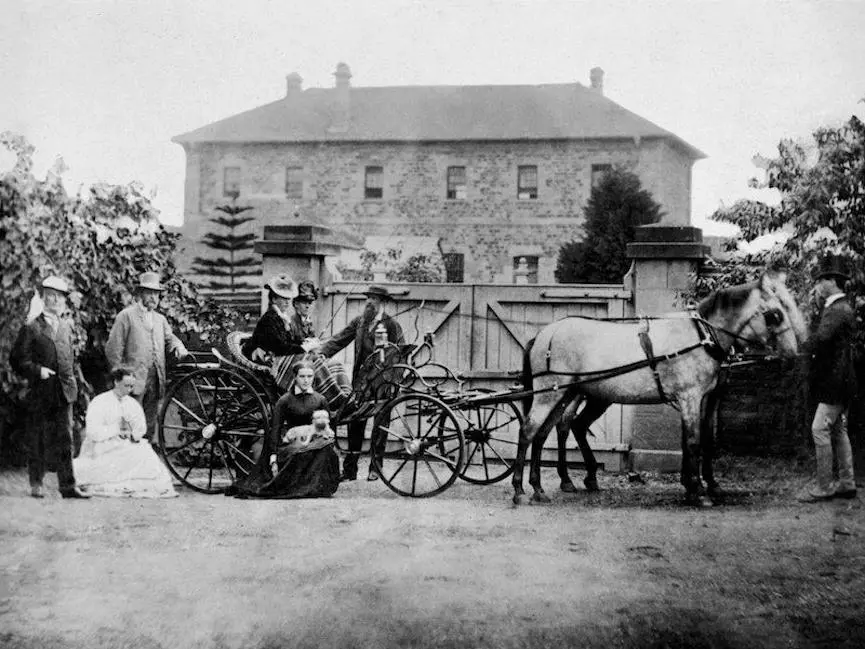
(708, 341)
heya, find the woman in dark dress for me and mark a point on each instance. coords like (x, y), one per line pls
(302, 463)
(279, 331)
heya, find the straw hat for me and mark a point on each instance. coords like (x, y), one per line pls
(56, 283)
(150, 281)
(283, 286)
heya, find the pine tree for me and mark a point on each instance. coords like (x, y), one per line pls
(229, 272)
(616, 206)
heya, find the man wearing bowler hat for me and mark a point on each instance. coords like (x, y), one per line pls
(44, 354)
(361, 330)
(833, 383)
(139, 339)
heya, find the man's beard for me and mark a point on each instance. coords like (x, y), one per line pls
(369, 314)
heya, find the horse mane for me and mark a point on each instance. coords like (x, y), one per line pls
(725, 299)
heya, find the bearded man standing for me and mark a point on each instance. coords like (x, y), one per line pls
(44, 354)
(361, 331)
(139, 339)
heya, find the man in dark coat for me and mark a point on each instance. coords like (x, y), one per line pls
(43, 353)
(833, 383)
(361, 331)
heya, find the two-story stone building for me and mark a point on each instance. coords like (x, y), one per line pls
(496, 173)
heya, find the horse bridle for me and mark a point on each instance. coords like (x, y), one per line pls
(772, 317)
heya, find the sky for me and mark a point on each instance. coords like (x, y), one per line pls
(106, 85)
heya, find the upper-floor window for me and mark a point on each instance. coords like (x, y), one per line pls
(373, 184)
(454, 267)
(456, 182)
(526, 269)
(231, 181)
(294, 182)
(527, 182)
(598, 172)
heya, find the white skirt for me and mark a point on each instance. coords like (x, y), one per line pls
(123, 469)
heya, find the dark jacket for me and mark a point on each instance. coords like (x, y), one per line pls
(272, 335)
(36, 347)
(363, 336)
(832, 371)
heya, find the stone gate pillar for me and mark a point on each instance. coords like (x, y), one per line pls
(664, 259)
(299, 250)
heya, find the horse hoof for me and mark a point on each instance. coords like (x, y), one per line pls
(568, 487)
(519, 499)
(591, 484)
(541, 498)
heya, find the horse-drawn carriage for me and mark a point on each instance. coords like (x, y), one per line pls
(428, 428)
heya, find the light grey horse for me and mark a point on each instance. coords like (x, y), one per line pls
(671, 359)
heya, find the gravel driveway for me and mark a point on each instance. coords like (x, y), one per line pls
(628, 567)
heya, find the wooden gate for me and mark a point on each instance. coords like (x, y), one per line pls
(481, 331)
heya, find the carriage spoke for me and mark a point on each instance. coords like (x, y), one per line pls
(400, 468)
(498, 455)
(183, 407)
(210, 469)
(238, 451)
(197, 390)
(502, 440)
(180, 448)
(395, 434)
(225, 460)
(434, 474)
(472, 454)
(189, 470)
(440, 458)
(185, 429)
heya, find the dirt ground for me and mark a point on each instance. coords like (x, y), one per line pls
(628, 567)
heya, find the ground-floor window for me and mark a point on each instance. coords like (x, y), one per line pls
(454, 267)
(526, 266)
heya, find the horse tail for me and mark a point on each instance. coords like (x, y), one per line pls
(528, 380)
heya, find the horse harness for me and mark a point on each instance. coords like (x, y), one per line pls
(708, 341)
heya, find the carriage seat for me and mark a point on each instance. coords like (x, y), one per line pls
(234, 341)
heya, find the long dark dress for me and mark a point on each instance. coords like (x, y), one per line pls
(309, 472)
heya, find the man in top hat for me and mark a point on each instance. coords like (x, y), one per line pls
(361, 331)
(44, 354)
(139, 339)
(833, 383)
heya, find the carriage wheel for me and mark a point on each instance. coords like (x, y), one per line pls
(418, 445)
(492, 433)
(211, 428)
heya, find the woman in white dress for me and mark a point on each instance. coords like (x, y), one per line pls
(112, 461)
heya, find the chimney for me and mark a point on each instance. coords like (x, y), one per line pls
(342, 102)
(293, 84)
(596, 76)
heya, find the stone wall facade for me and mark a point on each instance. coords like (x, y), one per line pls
(490, 225)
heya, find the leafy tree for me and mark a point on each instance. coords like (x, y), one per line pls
(616, 206)
(227, 272)
(100, 242)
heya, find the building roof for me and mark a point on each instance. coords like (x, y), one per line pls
(437, 113)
